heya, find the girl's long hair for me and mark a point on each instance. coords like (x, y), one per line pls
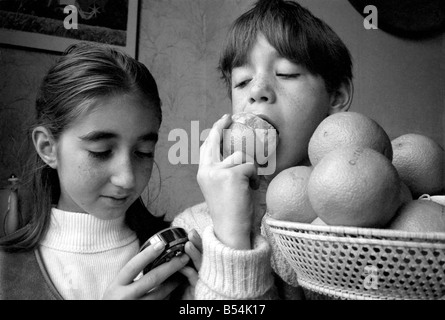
(83, 74)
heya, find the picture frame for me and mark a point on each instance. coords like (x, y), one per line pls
(46, 29)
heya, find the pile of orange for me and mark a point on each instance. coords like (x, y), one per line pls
(359, 177)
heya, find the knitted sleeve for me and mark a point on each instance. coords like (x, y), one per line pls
(232, 274)
(227, 273)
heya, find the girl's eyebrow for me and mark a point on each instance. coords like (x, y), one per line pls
(95, 136)
(98, 135)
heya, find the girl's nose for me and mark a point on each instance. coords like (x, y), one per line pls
(123, 174)
(262, 91)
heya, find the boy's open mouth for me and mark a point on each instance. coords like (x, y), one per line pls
(269, 121)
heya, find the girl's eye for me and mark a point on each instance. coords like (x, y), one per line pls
(144, 155)
(288, 75)
(242, 84)
(100, 155)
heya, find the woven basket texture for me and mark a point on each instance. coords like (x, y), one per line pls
(363, 263)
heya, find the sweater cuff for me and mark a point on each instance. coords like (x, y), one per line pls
(236, 274)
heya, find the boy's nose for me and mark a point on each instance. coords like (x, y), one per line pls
(262, 91)
(123, 174)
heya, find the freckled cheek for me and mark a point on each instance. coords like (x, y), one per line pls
(90, 176)
(237, 103)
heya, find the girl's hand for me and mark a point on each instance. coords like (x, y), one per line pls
(227, 188)
(155, 285)
(193, 249)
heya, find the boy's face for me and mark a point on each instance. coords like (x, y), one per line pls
(286, 94)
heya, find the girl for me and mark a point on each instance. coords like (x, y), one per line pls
(288, 67)
(98, 117)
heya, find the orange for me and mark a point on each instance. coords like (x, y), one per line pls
(345, 129)
(420, 163)
(355, 186)
(246, 133)
(319, 222)
(405, 193)
(420, 216)
(286, 196)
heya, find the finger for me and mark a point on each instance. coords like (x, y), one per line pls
(235, 162)
(196, 239)
(191, 275)
(194, 254)
(138, 263)
(159, 274)
(237, 158)
(163, 291)
(210, 150)
(248, 169)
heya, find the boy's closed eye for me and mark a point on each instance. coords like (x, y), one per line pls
(241, 84)
(288, 75)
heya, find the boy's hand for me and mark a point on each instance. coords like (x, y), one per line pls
(227, 189)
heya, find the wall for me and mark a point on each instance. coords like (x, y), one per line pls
(398, 82)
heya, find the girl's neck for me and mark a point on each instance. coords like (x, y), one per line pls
(80, 232)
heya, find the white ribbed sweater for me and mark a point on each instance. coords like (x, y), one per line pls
(83, 254)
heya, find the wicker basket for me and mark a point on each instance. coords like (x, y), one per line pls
(363, 263)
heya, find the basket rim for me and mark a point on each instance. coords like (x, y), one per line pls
(356, 231)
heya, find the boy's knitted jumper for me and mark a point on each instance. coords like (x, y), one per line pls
(226, 273)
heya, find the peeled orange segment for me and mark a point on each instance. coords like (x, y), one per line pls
(251, 135)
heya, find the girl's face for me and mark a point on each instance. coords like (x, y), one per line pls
(105, 159)
(292, 99)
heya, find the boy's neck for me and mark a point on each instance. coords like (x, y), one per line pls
(259, 198)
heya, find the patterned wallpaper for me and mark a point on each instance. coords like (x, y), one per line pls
(180, 41)
(20, 75)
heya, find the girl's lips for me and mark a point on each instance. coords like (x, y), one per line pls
(118, 200)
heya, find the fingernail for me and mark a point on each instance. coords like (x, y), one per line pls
(159, 246)
(225, 116)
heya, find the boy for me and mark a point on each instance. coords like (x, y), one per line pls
(289, 68)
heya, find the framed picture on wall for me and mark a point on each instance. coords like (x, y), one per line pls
(53, 25)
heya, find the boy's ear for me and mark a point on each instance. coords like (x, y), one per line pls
(45, 146)
(341, 98)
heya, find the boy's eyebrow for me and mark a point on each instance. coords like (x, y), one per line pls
(152, 136)
(104, 135)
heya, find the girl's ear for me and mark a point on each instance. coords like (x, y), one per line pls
(341, 98)
(45, 146)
